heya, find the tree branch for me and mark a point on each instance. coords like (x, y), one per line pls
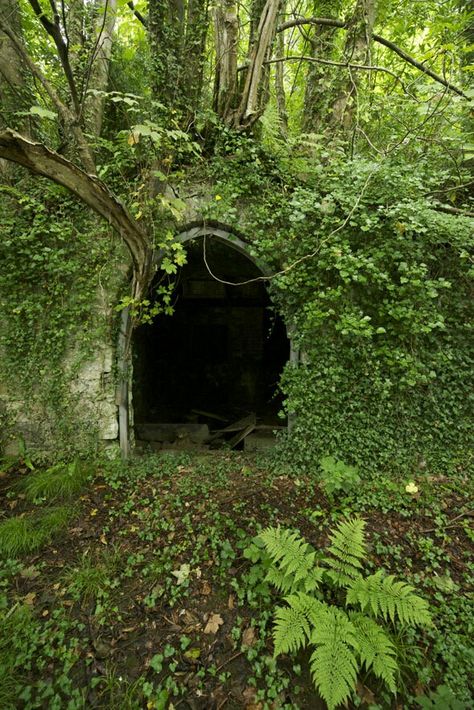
(329, 22)
(346, 65)
(66, 114)
(138, 14)
(92, 191)
(54, 31)
(452, 210)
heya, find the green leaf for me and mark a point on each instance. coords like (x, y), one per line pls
(43, 112)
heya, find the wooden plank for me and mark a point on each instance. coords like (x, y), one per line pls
(241, 435)
(209, 415)
(239, 424)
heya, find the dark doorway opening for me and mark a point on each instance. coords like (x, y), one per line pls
(216, 360)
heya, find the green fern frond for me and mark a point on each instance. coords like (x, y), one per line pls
(334, 664)
(294, 624)
(385, 597)
(377, 652)
(347, 550)
(290, 552)
(284, 583)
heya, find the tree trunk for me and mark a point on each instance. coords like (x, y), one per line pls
(357, 51)
(99, 68)
(226, 39)
(14, 93)
(193, 54)
(166, 30)
(319, 80)
(255, 92)
(280, 88)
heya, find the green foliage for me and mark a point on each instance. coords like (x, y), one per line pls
(91, 576)
(342, 640)
(377, 651)
(61, 481)
(441, 699)
(348, 551)
(23, 535)
(338, 476)
(383, 596)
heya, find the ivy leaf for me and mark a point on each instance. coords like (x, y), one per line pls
(43, 113)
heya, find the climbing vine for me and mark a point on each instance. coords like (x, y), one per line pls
(60, 269)
(376, 285)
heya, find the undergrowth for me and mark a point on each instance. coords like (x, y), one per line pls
(58, 482)
(25, 534)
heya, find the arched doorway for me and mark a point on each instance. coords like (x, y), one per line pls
(208, 374)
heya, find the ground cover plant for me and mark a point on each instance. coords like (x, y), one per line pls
(154, 593)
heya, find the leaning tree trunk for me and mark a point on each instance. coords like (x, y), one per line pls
(357, 51)
(40, 160)
(255, 92)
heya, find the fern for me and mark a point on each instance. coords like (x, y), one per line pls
(295, 559)
(376, 649)
(293, 624)
(341, 643)
(393, 600)
(347, 550)
(334, 664)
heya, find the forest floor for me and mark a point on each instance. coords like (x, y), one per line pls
(139, 595)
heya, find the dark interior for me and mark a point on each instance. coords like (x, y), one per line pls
(221, 352)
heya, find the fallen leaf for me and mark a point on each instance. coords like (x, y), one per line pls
(45, 612)
(29, 573)
(213, 623)
(231, 601)
(103, 540)
(206, 588)
(29, 598)
(248, 637)
(365, 694)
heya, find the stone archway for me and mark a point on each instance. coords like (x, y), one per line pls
(222, 351)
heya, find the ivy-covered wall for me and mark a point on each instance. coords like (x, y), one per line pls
(62, 274)
(374, 283)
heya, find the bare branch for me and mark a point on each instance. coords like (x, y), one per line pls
(345, 65)
(329, 22)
